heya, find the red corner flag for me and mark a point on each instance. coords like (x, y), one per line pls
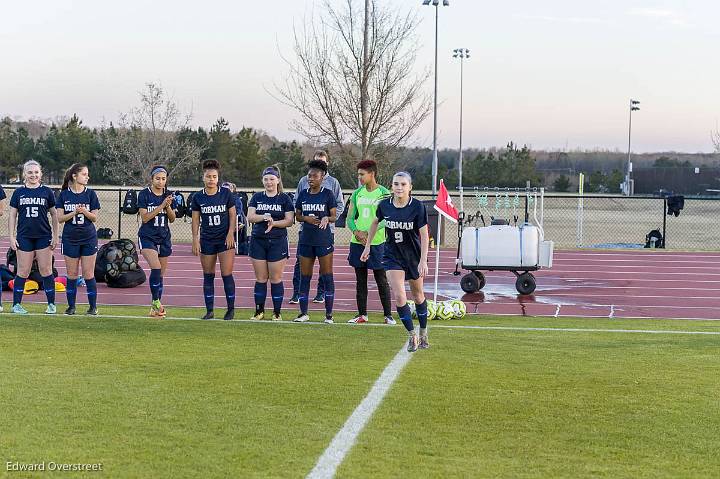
(444, 204)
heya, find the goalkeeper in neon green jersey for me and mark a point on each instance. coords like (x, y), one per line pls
(360, 216)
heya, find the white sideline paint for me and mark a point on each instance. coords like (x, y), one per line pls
(381, 325)
(344, 440)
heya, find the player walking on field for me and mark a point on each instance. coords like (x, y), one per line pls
(405, 255)
(361, 212)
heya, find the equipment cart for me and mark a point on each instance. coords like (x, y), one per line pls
(519, 248)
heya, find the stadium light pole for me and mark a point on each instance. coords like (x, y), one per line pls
(633, 107)
(462, 54)
(436, 4)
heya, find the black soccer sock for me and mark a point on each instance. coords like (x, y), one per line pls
(154, 283)
(229, 287)
(209, 290)
(384, 291)
(304, 292)
(361, 290)
(260, 296)
(18, 289)
(329, 285)
(422, 313)
(91, 286)
(277, 290)
(71, 291)
(49, 287)
(406, 316)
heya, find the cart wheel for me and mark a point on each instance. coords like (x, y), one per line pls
(481, 279)
(470, 283)
(525, 283)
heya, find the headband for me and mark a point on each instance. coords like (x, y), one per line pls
(157, 170)
(271, 171)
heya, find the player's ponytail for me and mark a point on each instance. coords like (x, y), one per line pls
(74, 169)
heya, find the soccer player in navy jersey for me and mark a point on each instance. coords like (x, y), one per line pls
(406, 252)
(36, 237)
(78, 208)
(156, 212)
(270, 212)
(316, 208)
(213, 228)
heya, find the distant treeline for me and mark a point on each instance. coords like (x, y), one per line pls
(244, 152)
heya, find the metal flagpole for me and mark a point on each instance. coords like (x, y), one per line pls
(437, 255)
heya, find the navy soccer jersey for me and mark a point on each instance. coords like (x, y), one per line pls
(33, 205)
(402, 230)
(276, 206)
(214, 213)
(318, 205)
(79, 229)
(2, 194)
(158, 228)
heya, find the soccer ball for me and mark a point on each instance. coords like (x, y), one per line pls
(459, 308)
(112, 270)
(128, 263)
(432, 309)
(113, 254)
(445, 310)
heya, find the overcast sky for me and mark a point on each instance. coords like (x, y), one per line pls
(552, 74)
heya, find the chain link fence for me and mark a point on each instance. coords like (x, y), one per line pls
(570, 221)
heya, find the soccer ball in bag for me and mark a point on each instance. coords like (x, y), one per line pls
(445, 310)
(459, 308)
(432, 309)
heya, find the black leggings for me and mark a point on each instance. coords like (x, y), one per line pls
(361, 277)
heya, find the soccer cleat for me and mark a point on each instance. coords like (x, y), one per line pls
(229, 314)
(209, 315)
(70, 310)
(51, 309)
(155, 313)
(18, 309)
(258, 316)
(424, 344)
(390, 320)
(301, 318)
(359, 319)
(319, 299)
(294, 299)
(328, 320)
(92, 311)
(277, 317)
(412, 343)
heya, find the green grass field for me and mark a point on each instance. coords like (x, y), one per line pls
(174, 398)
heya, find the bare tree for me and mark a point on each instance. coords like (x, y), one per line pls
(146, 136)
(353, 81)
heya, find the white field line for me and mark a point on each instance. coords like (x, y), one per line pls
(238, 322)
(342, 443)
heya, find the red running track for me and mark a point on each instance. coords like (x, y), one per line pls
(604, 284)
